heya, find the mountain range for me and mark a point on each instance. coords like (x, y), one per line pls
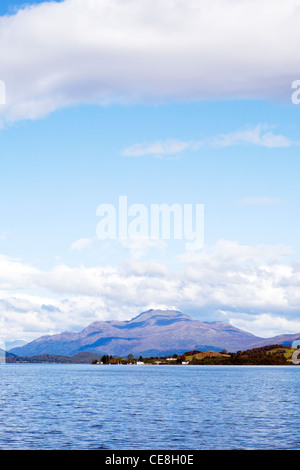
(152, 333)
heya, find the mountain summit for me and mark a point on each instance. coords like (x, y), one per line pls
(160, 317)
(151, 333)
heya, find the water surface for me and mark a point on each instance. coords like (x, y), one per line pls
(67, 406)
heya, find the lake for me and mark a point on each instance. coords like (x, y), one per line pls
(67, 406)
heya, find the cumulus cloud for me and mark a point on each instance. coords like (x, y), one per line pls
(28, 316)
(227, 277)
(62, 54)
(15, 273)
(265, 325)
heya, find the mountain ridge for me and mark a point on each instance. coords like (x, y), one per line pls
(150, 333)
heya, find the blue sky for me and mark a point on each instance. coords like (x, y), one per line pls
(72, 142)
(56, 172)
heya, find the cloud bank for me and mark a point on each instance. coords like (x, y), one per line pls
(226, 281)
(55, 55)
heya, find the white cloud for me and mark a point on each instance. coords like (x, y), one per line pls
(81, 244)
(15, 274)
(27, 316)
(253, 135)
(265, 325)
(55, 55)
(161, 148)
(258, 135)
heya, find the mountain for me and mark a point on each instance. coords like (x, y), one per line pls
(152, 333)
(14, 344)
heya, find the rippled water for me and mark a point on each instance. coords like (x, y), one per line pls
(64, 406)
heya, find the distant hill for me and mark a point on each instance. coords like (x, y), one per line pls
(80, 358)
(152, 333)
(273, 354)
(14, 344)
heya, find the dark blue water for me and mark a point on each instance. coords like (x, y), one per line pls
(62, 406)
